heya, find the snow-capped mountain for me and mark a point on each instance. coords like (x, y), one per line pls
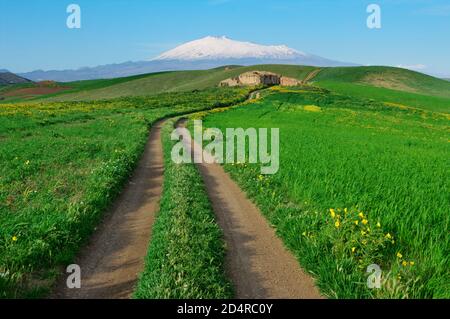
(219, 48)
(217, 51)
(205, 53)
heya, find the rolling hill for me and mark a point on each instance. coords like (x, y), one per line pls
(387, 77)
(386, 84)
(8, 78)
(180, 81)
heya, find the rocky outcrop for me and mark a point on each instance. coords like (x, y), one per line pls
(255, 78)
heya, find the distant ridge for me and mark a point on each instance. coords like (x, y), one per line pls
(8, 78)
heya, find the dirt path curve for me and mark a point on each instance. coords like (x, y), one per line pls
(257, 262)
(112, 261)
(311, 76)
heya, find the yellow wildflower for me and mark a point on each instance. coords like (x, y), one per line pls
(14, 238)
(356, 222)
(399, 255)
(337, 224)
(378, 225)
(388, 236)
(332, 213)
(365, 221)
(404, 263)
(411, 263)
(353, 249)
(361, 215)
(363, 232)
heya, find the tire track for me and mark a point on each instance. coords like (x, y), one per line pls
(111, 262)
(257, 262)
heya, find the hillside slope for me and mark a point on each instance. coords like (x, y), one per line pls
(387, 77)
(385, 84)
(181, 81)
(8, 78)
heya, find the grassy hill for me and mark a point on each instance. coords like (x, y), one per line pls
(179, 81)
(14, 92)
(385, 84)
(8, 78)
(381, 77)
(387, 77)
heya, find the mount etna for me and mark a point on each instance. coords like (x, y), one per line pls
(202, 54)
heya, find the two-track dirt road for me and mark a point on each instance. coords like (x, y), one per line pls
(257, 262)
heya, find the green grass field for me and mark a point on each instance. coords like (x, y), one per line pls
(364, 178)
(74, 88)
(61, 166)
(387, 77)
(340, 152)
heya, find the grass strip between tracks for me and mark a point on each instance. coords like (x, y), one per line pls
(186, 254)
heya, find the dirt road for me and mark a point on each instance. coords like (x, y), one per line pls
(257, 262)
(311, 76)
(111, 263)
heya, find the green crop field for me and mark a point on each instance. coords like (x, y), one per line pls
(360, 182)
(61, 166)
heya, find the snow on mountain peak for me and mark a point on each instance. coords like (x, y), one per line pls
(215, 48)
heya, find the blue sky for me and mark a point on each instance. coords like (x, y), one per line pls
(33, 33)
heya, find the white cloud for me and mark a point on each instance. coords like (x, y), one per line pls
(413, 66)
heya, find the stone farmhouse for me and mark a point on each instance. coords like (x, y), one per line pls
(255, 78)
